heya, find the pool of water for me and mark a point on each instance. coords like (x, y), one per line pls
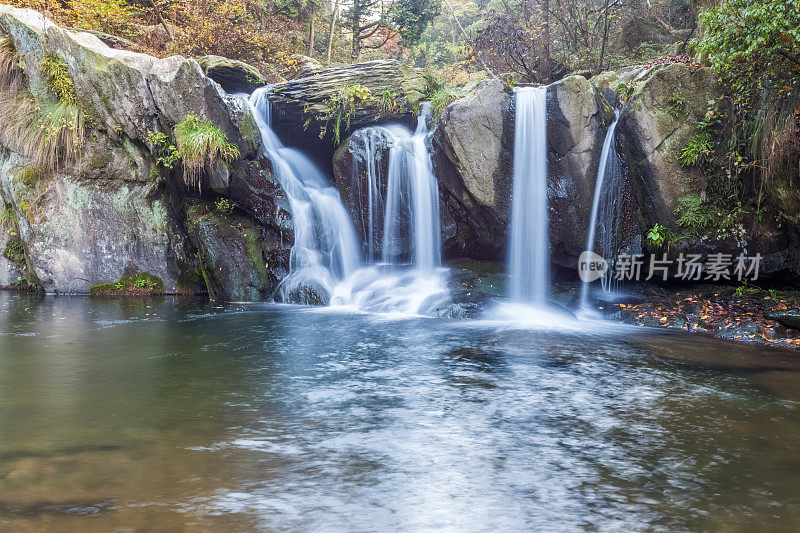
(164, 414)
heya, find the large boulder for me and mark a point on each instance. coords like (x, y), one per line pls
(577, 120)
(658, 121)
(238, 262)
(79, 233)
(232, 75)
(473, 161)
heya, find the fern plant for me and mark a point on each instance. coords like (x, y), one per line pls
(698, 151)
(694, 214)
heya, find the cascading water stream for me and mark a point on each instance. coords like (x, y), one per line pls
(413, 196)
(326, 259)
(529, 254)
(604, 208)
(326, 249)
(408, 279)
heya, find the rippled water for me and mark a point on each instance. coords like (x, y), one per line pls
(174, 415)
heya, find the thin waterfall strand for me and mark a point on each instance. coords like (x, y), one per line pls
(604, 216)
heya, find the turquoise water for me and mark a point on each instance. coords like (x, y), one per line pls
(169, 414)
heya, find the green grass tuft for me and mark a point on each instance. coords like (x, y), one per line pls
(200, 144)
(48, 133)
(440, 95)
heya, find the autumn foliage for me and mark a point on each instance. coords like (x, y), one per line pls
(238, 29)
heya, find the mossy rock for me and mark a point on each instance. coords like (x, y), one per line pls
(133, 284)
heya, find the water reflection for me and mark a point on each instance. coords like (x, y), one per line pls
(185, 415)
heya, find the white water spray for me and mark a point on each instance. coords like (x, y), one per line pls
(529, 254)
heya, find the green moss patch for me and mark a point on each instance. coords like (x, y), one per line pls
(135, 284)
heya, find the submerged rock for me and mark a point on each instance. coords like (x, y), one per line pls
(789, 318)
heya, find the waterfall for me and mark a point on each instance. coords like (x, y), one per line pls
(605, 207)
(529, 255)
(408, 278)
(326, 249)
(412, 199)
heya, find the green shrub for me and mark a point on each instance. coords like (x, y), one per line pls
(201, 143)
(56, 77)
(224, 206)
(624, 90)
(390, 103)
(440, 95)
(657, 236)
(162, 147)
(341, 108)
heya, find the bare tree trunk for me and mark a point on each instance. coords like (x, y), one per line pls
(356, 26)
(161, 20)
(333, 29)
(311, 36)
(546, 71)
(605, 38)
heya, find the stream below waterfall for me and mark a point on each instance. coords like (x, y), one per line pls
(119, 414)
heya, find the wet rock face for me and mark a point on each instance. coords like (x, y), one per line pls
(577, 120)
(240, 261)
(362, 152)
(473, 157)
(78, 234)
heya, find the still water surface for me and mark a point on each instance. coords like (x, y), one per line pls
(171, 415)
